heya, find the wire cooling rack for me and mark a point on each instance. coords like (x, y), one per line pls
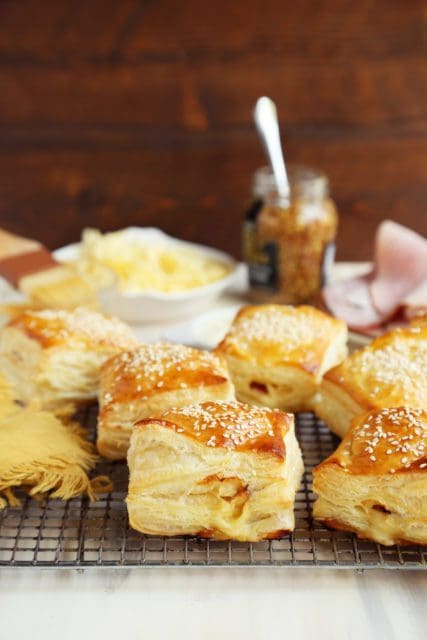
(79, 533)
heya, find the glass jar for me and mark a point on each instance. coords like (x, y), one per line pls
(289, 243)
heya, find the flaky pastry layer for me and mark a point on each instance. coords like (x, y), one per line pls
(56, 356)
(147, 381)
(278, 354)
(389, 372)
(217, 470)
(375, 484)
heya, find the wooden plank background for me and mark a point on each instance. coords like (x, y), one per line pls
(139, 112)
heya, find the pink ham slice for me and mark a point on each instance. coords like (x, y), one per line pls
(400, 266)
(351, 301)
(400, 270)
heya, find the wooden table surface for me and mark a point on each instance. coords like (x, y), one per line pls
(139, 112)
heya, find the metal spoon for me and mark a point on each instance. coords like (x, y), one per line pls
(265, 116)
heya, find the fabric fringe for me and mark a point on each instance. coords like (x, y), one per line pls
(59, 474)
(40, 483)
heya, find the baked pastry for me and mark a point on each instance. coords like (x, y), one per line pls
(56, 356)
(150, 379)
(375, 483)
(419, 320)
(389, 372)
(220, 470)
(277, 354)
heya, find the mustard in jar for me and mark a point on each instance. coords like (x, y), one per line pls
(289, 242)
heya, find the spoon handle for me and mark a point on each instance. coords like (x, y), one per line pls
(265, 116)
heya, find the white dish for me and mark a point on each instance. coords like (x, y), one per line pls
(155, 306)
(205, 331)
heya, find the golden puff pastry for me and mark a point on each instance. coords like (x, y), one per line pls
(220, 470)
(56, 356)
(389, 372)
(419, 320)
(278, 354)
(375, 483)
(150, 379)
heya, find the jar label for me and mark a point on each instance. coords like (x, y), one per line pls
(327, 263)
(262, 259)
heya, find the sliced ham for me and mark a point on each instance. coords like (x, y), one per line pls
(399, 278)
(400, 266)
(351, 301)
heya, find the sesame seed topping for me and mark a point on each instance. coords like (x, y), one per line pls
(286, 329)
(389, 437)
(79, 325)
(228, 424)
(154, 368)
(391, 370)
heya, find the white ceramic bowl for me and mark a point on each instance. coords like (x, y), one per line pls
(148, 307)
(204, 331)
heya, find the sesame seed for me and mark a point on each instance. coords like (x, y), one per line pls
(79, 326)
(286, 328)
(151, 367)
(234, 424)
(400, 434)
(391, 369)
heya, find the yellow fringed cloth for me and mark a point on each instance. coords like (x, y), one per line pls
(41, 454)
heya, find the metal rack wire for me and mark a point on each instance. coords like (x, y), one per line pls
(79, 533)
